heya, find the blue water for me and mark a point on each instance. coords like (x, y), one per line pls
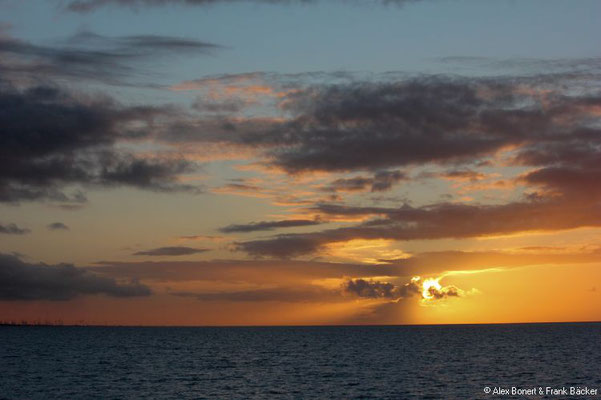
(420, 362)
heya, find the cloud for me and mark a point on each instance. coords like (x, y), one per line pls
(157, 174)
(89, 5)
(371, 289)
(269, 225)
(571, 169)
(436, 221)
(24, 281)
(52, 138)
(463, 175)
(13, 229)
(222, 106)
(380, 124)
(295, 280)
(209, 238)
(57, 226)
(381, 181)
(171, 251)
(90, 56)
(428, 289)
(283, 246)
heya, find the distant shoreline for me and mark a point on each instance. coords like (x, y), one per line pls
(84, 325)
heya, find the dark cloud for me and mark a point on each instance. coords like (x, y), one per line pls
(376, 289)
(383, 124)
(290, 280)
(141, 45)
(568, 181)
(570, 168)
(464, 174)
(450, 291)
(13, 229)
(24, 281)
(437, 221)
(90, 56)
(202, 237)
(50, 139)
(170, 251)
(371, 289)
(384, 180)
(269, 225)
(381, 181)
(158, 174)
(212, 106)
(89, 5)
(284, 246)
(57, 226)
(243, 187)
(379, 125)
(356, 184)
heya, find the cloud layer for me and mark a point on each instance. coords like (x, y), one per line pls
(24, 281)
(170, 251)
(51, 139)
(90, 56)
(428, 289)
(89, 5)
(269, 225)
(13, 229)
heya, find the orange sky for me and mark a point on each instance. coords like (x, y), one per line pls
(184, 174)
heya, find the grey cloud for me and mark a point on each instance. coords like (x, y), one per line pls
(57, 226)
(284, 246)
(437, 221)
(450, 291)
(90, 56)
(89, 5)
(356, 184)
(24, 281)
(51, 138)
(377, 289)
(371, 289)
(570, 167)
(381, 124)
(159, 175)
(466, 174)
(13, 229)
(138, 45)
(381, 181)
(269, 225)
(170, 251)
(213, 106)
(384, 180)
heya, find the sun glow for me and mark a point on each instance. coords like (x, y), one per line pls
(427, 285)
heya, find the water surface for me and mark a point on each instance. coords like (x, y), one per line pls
(373, 362)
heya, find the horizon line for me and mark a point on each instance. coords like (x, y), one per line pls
(74, 325)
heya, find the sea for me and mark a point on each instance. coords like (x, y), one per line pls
(330, 362)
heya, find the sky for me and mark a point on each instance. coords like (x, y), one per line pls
(289, 162)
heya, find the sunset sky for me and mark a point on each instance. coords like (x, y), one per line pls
(223, 162)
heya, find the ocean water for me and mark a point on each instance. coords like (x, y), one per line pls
(373, 362)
